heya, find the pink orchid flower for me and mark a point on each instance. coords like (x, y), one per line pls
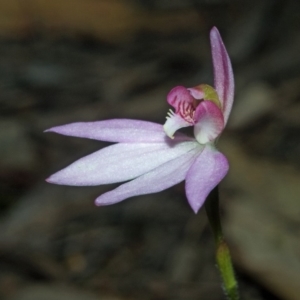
(150, 155)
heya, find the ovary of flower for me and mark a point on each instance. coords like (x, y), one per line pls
(152, 157)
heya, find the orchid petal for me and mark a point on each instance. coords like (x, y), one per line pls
(209, 122)
(119, 162)
(179, 96)
(117, 130)
(159, 179)
(223, 74)
(207, 171)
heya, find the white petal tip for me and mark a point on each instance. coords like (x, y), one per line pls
(54, 180)
(214, 30)
(49, 180)
(52, 129)
(173, 123)
(97, 203)
(169, 132)
(202, 139)
(195, 208)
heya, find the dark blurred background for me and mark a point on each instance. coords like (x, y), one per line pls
(83, 60)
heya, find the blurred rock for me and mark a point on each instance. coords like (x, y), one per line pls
(165, 4)
(121, 84)
(255, 101)
(278, 63)
(13, 20)
(185, 259)
(47, 76)
(32, 223)
(248, 33)
(113, 21)
(290, 115)
(55, 292)
(16, 148)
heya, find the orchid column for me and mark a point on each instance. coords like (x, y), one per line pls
(152, 157)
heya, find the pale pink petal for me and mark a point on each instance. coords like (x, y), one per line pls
(117, 130)
(223, 74)
(161, 178)
(207, 171)
(209, 122)
(119, 162)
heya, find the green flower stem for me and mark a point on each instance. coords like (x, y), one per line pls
(223, 258)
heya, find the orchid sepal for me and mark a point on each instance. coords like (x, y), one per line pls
(223, 73)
